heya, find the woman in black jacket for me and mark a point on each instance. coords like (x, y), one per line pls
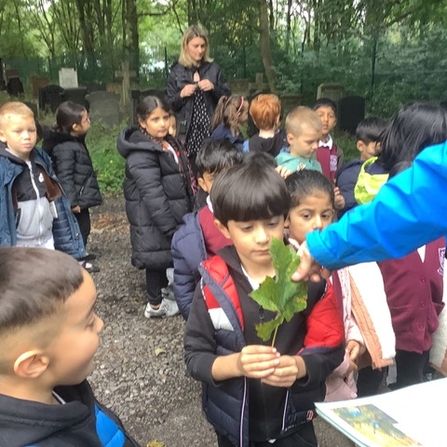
(159, 191)
(195, 84)
(65, 144)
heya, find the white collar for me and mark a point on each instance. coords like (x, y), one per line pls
(328, 143)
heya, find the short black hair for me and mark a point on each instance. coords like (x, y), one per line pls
(308, 182)
(216, 155)
(261, 158)
(325, 102)
(247, 192)
(370, 129)
(34, 282)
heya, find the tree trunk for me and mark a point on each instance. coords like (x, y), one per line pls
(131, 39)
(266, 52)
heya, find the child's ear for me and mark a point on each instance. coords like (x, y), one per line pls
(222, 228)
(290, 139)
(31, 364)
(360, 145)
(202, 184)
(2, 136)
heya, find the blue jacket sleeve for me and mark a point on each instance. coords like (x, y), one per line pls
(409, 211)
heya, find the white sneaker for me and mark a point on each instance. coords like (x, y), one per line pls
(168, 308)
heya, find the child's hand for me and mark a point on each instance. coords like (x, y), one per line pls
(76, 209)
(283, 171)
(187, 90)
(353, 349)
(206, 85)
(339, 199)
(257, 361)
(290, 368)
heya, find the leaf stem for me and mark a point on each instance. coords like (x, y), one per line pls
(274, 336)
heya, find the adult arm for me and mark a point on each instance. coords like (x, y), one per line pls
(409, 211)
(173, 97)
(221, 87)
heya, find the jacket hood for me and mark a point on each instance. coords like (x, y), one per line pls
(51, 139)
(12, 157)
(132, 139)
(25, 422)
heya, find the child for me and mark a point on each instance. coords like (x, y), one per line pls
(303, 128)
(253, 393)
(265, 110)
(328, 154)
(199, 239)
(368, 134)
(34, 210)
(313, 205)
(158, 193)
(230, 115)
(50, 333)
(413, 283)
(65, 144)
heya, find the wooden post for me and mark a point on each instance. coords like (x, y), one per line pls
(126, 76)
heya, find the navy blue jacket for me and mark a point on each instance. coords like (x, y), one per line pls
(80, 422)
(66, 233)
(346, 180)
(224, 133)
(188, 251)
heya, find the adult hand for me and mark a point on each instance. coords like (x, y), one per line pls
(309, 268)
(187, 90)
(206, 85)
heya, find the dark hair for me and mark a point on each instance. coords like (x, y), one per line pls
(249, 192)
(415, 127)
(307, 183)
(33, 283)
(261, 158)
(325, 102)
(148, 104)
(370, 130)
(216, 155)
(67, 115)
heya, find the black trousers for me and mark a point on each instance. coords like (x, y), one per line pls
(155, 281)
(83, 219)
(303, 437)
(410, 367)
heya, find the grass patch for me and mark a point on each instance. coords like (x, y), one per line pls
(108, 163)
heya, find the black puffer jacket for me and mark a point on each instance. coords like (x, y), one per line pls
(183, 107)
(157, 197)
(73, 167)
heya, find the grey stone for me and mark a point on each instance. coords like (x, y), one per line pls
(105, 107)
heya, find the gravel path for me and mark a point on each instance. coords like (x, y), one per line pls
(140, 371)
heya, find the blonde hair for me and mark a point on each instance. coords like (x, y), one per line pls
(265, 110)
(228, 111)
(192, 32)
(14, 108)
(299, 116)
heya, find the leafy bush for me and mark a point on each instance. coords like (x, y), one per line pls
(108, 163)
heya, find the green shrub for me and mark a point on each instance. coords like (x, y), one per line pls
(108, 163)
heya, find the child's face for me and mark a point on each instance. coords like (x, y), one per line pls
(19, 133)
(157, 123)
(328, 119)
(252, 242)
(368, 150)
(306, 143)
(314, 212)
(71, 353)
(206, 181)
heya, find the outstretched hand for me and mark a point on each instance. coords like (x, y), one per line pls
(309, 268)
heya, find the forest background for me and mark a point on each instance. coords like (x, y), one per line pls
(389, 51)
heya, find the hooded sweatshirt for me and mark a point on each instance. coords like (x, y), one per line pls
(79, 422)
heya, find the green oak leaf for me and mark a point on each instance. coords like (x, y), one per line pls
(281, 294)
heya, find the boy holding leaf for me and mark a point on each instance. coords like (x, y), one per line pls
(255, 393)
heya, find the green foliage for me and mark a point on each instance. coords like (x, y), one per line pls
(108, 163)
(281, 295)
